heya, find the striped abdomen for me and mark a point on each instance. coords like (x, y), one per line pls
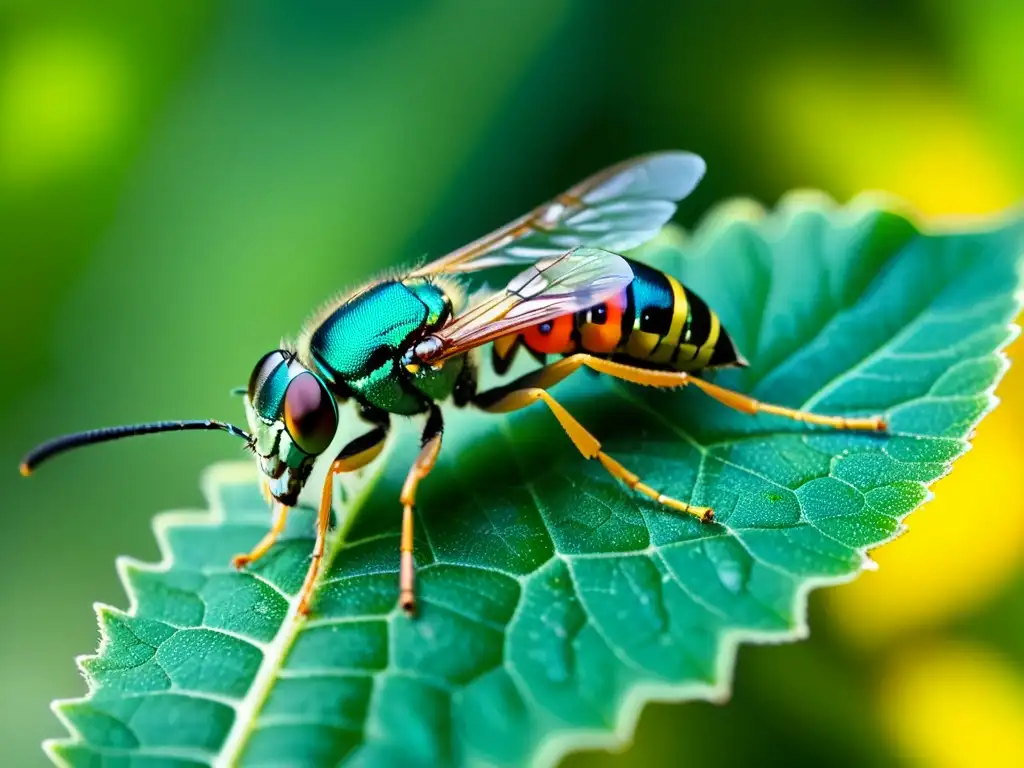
(654, 323)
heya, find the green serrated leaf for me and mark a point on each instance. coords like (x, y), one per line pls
(553, 603)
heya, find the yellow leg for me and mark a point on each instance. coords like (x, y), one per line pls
(425, 462)
(323, 522)
(588, 445)
(747, 404)
(265, 491)
(280, 519)
(554, 373)
(353, 456)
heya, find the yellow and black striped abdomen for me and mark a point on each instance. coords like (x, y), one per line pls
(667, 326)
(654, 323)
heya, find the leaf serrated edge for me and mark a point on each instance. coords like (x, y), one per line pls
(359, 485)
(162, 523)
(558, 745)
(553, 749)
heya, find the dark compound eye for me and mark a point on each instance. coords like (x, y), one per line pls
(263, 370)
(598, 315)
(544, 328)
(310, 414)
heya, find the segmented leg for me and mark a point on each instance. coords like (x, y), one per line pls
(554, 373)
(420, 469)
(747, 404)
(280, 520)
(358, 453)
(508, 399)
(531, 387)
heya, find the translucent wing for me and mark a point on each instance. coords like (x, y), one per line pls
(548, 289)
(616, 209)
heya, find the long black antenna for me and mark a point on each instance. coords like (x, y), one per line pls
(61, 444)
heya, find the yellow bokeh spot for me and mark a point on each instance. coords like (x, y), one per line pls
(886, 127)
(890, 126)
(61, 104)
(954, 706)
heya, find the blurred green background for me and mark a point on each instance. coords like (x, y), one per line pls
(182, 183)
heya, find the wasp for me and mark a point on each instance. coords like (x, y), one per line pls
(400, 346)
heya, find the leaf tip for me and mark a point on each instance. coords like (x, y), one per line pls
(720, 696)
(54, 748)
(105, 615)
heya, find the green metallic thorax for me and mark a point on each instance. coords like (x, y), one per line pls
(358, 347)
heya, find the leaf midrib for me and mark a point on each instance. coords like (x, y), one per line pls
(274, 654)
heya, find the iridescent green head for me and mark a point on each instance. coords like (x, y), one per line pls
(292, 418)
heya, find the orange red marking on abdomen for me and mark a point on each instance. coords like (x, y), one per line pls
(654, 322)
(600, 327)
(554, 337)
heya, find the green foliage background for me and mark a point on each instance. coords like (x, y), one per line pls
(181, 184)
